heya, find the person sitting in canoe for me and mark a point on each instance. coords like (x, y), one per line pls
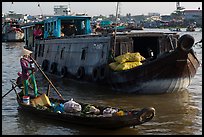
(27, 73)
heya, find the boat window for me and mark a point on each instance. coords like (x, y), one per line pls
(36, 51)
(50, 29)
(62, 53)
(83, 27)
(117, 49)
(83, 54)
(48, 26)
(39, 50)
(55, 25)
(45, 27)
(43, 47)
(102, 54)
(68, 28)
(123, 48)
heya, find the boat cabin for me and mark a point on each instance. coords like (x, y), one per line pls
(64, 26)
(10, 25)
(29, 35)
(57, 27)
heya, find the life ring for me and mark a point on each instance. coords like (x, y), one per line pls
(80, 73)
(95, 74)
(64, 71)
(53, 68)
(45, 65)
(185, 42)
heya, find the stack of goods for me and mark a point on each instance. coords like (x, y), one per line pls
(42, 100)
(127, 61)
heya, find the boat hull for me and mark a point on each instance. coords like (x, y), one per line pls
(136, 117)
(13, 37)
(167, 72)
(170, 73)
(170, 60)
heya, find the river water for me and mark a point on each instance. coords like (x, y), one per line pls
(176, 113)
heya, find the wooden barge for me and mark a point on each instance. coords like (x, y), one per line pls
(169, 66)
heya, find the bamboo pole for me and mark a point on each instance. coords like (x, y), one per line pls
(116, 16)
(47, 78)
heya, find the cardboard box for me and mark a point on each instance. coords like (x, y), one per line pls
(42, 100)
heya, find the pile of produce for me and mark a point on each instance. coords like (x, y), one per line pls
(127, 61)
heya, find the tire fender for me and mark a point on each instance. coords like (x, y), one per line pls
(185, 42)
(63, 72)
(102, 72)
(53, 68)
(45, 65)
(80, 73)
(95, 74)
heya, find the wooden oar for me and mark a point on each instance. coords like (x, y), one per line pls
(13, 87)
(47, 78)
(16, 92)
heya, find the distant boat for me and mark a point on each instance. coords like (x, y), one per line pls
(175, 29)
(190, 28)
(134, 26)
(11, 31)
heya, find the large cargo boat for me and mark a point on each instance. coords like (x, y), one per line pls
(169, 66)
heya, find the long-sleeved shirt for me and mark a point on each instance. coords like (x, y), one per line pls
(26, 66)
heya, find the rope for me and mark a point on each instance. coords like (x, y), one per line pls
(10, 6)
(40, 8)
(116, 27)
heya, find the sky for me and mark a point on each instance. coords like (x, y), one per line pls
(99, 8)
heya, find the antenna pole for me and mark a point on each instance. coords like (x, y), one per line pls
(10, 6)
(69, 9)
(40, 8)
(115, 27)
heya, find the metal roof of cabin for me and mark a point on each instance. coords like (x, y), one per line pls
(66, 18)
(31, 24)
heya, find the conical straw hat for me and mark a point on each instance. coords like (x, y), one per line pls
(26, 52)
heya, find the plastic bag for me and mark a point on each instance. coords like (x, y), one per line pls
(72, 106)
(91, 109)
(109, 111)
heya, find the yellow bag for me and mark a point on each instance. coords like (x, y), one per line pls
(136, 57)
(122, 58)
(129, 57)
(42, 100)
(127, 65)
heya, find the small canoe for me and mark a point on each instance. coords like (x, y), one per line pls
(119, 119)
